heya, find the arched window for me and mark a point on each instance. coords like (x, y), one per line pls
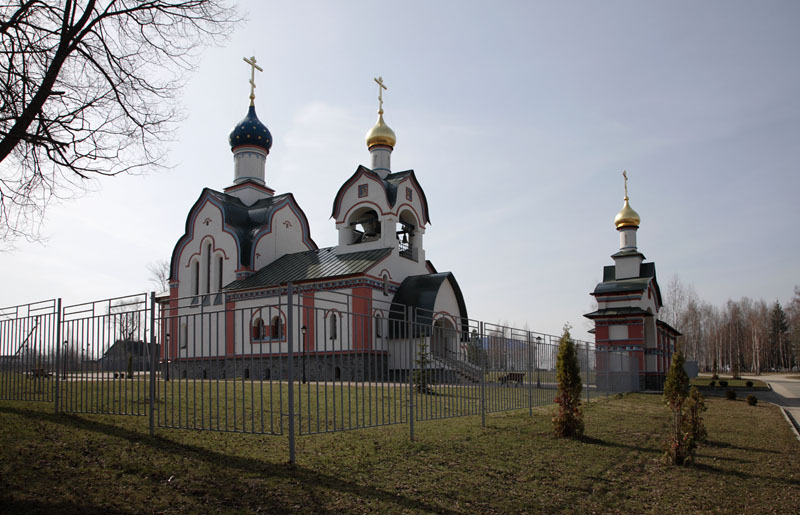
(259, 331)
(219, 273)
(276, 328)
(196, 278)
(385, 284)
(208, 268)
(378, 325)
(333, 323)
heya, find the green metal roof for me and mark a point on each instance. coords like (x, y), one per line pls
(311, 264)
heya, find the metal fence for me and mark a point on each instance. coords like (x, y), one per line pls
(298, 362)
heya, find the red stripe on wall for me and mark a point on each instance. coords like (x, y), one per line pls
(230, 325)
(309, 319)
(362, 318)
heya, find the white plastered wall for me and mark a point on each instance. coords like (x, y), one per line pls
(207, 229)
(285, 237)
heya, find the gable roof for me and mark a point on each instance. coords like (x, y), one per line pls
(390, 185)
(242, 221)
(310, 265)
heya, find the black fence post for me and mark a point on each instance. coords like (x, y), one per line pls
(290, 358)
(412, 365)
(58, 356)
(152, 364)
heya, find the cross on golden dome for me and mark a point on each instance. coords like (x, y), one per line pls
(381, 87)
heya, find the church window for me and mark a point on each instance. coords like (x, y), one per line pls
(276, 328)
(219, 274)
(409, 195)
(385, 284)
(196, 278)
(184, 335)
(259, 331)
(208, 268)
(363, 190)
(378, 325)
(332, 326)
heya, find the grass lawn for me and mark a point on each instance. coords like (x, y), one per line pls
(108, 464)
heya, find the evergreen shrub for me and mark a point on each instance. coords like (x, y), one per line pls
(749, 384)
(712, 383)
(730, 395)
(568, 421)
(752, 400)
(723, 383)
(680, 443)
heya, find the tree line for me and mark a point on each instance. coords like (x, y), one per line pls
(743, 335)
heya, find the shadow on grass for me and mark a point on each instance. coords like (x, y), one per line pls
(725, 445)
(248, 465)
(603, 443)
(30, 507)
(744, 475)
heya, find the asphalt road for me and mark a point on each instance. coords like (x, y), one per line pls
(785, 392)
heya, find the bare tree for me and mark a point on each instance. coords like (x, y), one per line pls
(88, 89)
(159, 274)
(127, 317)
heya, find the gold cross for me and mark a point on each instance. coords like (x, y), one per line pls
(381, 87)
(254, 67)
(625, 174)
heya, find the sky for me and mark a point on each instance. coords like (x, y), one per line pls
(518, 119)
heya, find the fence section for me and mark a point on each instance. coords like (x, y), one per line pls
(617, 372)
(221, 369)
(104, 356)
(28, 351)
(294, 361)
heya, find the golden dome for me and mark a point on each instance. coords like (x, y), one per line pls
(627, 217)
(381, 134)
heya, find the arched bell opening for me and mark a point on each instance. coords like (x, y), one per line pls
(406, 233)
(365, 225)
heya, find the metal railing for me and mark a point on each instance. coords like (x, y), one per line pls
(294, 361)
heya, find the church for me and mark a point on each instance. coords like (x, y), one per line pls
(628, 302)
(230, 308)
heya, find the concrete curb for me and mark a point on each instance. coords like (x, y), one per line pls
(792, 422)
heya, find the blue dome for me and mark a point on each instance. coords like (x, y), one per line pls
(250, 131)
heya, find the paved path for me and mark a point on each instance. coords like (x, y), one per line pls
(785, 392)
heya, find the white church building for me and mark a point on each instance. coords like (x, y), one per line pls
(228, 311)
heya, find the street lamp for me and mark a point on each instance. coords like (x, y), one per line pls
(538, 342)
(304, 329)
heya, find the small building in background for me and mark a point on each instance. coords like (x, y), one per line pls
(628, 302)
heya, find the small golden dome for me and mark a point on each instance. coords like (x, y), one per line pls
(627, 217)
(381, 134)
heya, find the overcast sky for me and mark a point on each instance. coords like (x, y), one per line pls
(518, 119)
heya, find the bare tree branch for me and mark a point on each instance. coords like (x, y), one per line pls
(89, 89)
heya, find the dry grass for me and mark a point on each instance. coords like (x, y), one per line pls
(100, 464)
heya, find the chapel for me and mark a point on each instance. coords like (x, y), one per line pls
(628, 303)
